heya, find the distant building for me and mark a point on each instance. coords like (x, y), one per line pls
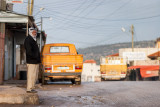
(141, 56)
(91, 71)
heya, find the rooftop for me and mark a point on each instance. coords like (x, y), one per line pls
(90, 61)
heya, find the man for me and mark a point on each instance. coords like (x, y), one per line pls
(32, 58)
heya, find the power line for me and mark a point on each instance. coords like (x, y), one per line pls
(75, 10)
(89, 12)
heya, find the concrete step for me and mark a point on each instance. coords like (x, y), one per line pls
(16, 95)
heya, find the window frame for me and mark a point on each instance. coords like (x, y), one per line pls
(59, 52)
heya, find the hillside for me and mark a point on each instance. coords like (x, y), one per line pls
(103, 50)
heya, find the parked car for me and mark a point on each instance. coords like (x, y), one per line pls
(60, 61)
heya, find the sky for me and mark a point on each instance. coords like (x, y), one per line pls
(87, 23)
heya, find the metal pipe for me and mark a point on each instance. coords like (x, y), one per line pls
(27, 30)
(41, 36)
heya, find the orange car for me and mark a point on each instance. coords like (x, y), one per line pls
(113, 68)
(60, 61)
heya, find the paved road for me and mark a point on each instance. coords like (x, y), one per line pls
(101, 94)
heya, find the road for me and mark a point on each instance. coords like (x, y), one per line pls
(100, 94)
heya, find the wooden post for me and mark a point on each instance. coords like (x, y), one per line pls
(31, 7)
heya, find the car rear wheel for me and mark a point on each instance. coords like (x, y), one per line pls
(73, 81)
(44, 82)
(79, 81)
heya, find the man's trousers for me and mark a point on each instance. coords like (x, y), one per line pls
(32, 75)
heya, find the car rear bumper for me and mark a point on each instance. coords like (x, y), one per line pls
(62, 74)
(113, 77)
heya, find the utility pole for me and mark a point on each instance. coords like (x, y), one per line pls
(42, 30)
(28, 8)
(132, 31)
(2, 43)
(41, 34)
(31, 7)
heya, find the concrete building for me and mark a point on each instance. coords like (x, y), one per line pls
(91, 71)
(13, 31)
(139, 56)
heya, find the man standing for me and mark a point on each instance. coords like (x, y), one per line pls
(32, 58)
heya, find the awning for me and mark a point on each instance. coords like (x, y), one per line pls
(9, 17)
(154, 55)
(117, 54)
(147, 70)
(144, 66)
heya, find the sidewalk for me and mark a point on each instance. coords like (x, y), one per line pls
(14, 92)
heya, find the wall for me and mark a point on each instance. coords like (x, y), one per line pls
(90, 72)
(147, 52)
(147, 62)
(9, 55)
(17, 55)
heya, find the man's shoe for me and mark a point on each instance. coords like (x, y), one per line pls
(32, 91)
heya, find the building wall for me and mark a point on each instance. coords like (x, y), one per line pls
(146, 61)
(147, 51)
(17, 55)
(91, 72)
(9, 55)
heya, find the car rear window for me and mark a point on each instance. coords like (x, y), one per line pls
(59, 49)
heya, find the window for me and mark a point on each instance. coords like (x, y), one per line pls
(59, 49)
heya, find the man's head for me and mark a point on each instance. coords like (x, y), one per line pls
(33, 32)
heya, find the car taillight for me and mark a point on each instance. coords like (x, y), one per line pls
(48, 68)
(123, 72)
(103, 72)
(78, 67)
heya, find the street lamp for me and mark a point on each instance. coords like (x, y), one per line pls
(123, 29)
(39, 11)
(132, 31)
(50, 18)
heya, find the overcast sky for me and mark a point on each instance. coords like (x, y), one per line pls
(96, 22)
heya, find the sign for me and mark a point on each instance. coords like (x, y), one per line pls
(130, 56)
(114, 62)
(14, 1)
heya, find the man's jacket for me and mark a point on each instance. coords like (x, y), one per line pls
(32, 51)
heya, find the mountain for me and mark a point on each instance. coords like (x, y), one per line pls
(96, 52)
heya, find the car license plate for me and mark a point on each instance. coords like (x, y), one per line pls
(112, 72)
(61, 68)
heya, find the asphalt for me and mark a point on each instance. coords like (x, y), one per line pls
(102, 94)
(98, 94)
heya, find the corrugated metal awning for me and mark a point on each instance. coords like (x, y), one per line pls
(154, 55)
(9, 17)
